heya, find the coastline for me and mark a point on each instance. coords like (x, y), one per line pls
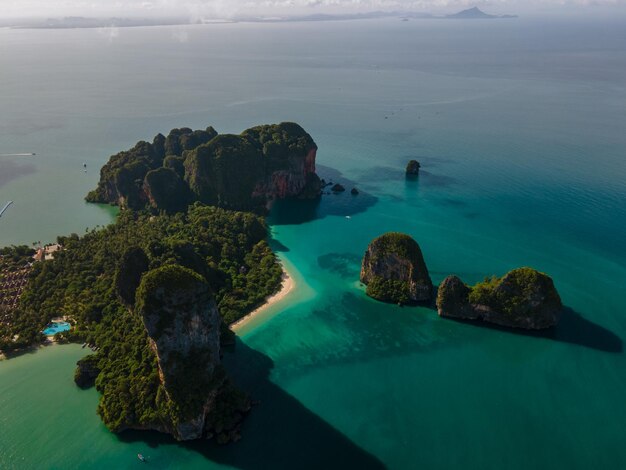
(29, 349)
(288, 285)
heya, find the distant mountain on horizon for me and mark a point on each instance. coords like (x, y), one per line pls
(476, 13)
(69, 22)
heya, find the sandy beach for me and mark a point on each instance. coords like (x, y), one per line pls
(288, 285)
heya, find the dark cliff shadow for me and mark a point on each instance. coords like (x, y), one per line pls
(573, 328)
(432, 179)
(277, 246)
(379, 174)
(341, 204)
(279, 433)
(576, 329)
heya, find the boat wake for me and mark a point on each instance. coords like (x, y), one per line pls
(6, 206)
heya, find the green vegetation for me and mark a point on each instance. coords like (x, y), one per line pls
(166, 190)
(403, 246)
(122, 178)
(225, 249)
(413, 168)
(18, 329)
(87, 371)
(162, 283)
(133, 264)
(13, 258)
(230, 171)
(225, 172)
(394, 270)
(389, 290)
(111, 280)
(279, 141)
(513, 294)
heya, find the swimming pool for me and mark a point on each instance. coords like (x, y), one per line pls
(56, 327)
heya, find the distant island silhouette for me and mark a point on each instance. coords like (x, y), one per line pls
(71, 22)
(476, 13)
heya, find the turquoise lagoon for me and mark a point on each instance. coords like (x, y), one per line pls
(519, 126)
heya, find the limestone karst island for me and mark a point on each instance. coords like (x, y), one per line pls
(153, 294)
(312, 234)
(394, 270)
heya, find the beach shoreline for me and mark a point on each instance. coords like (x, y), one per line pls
(29, 349)
(288, 285)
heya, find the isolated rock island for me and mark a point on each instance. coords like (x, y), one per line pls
(522, 298)
(413, 168)
(394, 270)
(237, 172)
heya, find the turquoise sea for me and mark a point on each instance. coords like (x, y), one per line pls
(520, 126)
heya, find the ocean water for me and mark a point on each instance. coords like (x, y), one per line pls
(520, 129)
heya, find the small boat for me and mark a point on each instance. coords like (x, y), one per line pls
(141, 457)
(84, 344)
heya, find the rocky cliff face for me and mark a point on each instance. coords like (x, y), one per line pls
(453, 299)
(241, 172)
(297, 179)
(523, 298)
(183, 325)
(394, 270)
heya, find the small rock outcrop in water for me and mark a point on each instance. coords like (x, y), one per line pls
(523, 298)
(337, 188)
(394, 270)
(413, 168)
(239, 172)
(87, 371)
(354, 191)
(179, 313)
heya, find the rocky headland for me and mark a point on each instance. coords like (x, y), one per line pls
(238, 172)
(394, 270)
(522, 298)
(87, 371)
(183, 324)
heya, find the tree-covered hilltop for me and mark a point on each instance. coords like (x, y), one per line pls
(239, 172)
(96, 279)
(228, 248)
(394, 270)
(522, 298)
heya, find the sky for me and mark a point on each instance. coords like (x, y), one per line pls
(233, 8)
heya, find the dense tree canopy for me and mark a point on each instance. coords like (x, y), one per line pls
(227, 249)
(231, 171)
